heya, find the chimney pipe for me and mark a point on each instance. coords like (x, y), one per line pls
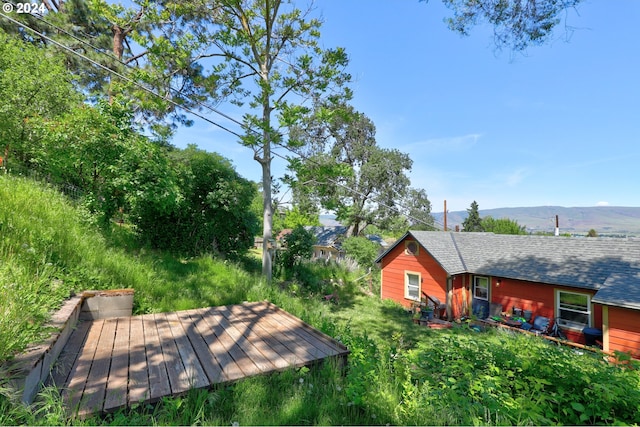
(445, 215)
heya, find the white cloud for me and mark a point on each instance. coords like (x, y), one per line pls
(602, 204)
(516, 177)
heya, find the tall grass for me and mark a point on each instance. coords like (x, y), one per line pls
(48, 251)
(397, 373)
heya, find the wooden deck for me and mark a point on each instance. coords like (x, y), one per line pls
(111, 363)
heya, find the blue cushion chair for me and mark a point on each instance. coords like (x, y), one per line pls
(540, 325)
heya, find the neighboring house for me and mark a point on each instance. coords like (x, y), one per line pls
(379, 241)
(328, 241)
(578, 282)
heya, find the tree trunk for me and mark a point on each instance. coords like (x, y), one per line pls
(267, 206)
(267, 219)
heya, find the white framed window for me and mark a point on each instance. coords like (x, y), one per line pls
(411, 247)
(573, 309)
(481, 288)
(412, 282)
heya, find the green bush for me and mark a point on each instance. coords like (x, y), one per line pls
(361, 249)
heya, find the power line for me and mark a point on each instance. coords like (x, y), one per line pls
(109, 70)
(244, 126)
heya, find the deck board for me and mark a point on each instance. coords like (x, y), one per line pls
(138, 368)
(111, 363)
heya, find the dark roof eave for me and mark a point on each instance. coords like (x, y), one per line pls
(379, 259)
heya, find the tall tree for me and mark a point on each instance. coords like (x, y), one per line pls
(270, 53)
(418, 208)
(345, 171)
(472, 222)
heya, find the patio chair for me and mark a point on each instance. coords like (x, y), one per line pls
(540, 325)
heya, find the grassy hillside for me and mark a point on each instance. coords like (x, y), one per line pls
(49, 250)
(398, 373)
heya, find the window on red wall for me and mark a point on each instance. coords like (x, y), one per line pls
(573, 310)
(481, 288)
(412, 285)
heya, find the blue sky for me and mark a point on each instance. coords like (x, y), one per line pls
(559, 125)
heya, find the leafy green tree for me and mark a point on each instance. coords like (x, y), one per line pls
(361, 249)
(270, 53)
(345, 171)
(296, 218)
(34, 87)
(215, 215)
(97, 150)
(472, 222)
(298, 247)
(516, 24)
(418, 208)
(592, 233)
(502, 226)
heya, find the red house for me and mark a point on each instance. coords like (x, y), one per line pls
(577, 282)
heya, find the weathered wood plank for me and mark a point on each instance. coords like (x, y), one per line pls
(300, 348)
(96, 387)
(72, 350)
(303, 331)
(158, 378)
(142, 358)
(214, 319)
(192, 366)
(207, 358)
(72, 394)
(252, 322)
(178, 377)
(118, 381)
(228, 366)
(239, 332)
(138, 369)
(293, 337)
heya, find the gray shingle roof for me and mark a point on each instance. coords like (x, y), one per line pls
(611, 266)
(327, 236)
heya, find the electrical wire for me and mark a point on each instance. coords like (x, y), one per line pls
(196, 114)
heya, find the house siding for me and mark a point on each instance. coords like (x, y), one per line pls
(624, 330)
(539, 298)
(396, 263)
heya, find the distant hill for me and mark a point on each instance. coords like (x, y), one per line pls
(329, 220)
(606, 220)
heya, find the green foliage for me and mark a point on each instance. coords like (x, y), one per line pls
(419, 210)
(592, 233)
(361, 249)
(298, 246)
(523, 380)
(47, 252)
(502, 226)
(472, 222)
(297, 218)
(34, 86)
(397, 373)
(516, 25)
(345, 170)
(212, 213)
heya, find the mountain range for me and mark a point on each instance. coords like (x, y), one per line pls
(606, 220)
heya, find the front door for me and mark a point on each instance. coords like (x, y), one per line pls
(480, 297)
